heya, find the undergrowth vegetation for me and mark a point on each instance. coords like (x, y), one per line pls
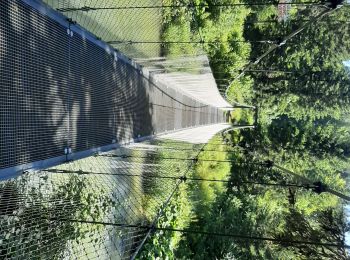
(302, 92)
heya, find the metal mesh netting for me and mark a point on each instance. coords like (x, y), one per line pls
(156, 34)
(114, 25)
(62, 92)
(145, 39)
(91, 207)
(106, 205)
(31, 57)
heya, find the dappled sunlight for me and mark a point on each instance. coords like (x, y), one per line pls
(174, 129)
(114, 25)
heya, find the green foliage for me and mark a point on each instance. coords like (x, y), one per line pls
(177, 214)
(303, 99)
(191, 202)
(37, 217)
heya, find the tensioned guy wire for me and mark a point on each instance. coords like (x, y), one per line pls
(60, 83)
(233, 236)
(191, 5)
(335, 6)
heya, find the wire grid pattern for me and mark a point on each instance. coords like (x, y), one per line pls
(33, 68)
(144, 37)
(114, 25)
(62, 212)
(61, 91)
(139, 42)
(138, 29)
(89, 208)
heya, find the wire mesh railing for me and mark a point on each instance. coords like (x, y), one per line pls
(78, 95)
(60, 212)
(169, 40)
(152, 36)
(108, 205)
(93, 96)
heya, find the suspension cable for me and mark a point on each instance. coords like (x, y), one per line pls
(161, 211)
(182, 178)
(320, 187)
(191, 5)
(153, 227)
(195, 159)
(299, 20)
(283, 41)
(188, 42)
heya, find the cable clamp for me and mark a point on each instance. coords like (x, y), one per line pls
(268, 164)
(67, 150)
(280, 42)
(319, 187)
(195, 160)
(87, 9)
(25, 172)
(183, 178)
(71, 21)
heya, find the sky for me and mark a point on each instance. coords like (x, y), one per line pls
(347, 235)
(347, 62)
(347, 208)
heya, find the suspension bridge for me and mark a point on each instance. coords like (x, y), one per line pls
(100, 127)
